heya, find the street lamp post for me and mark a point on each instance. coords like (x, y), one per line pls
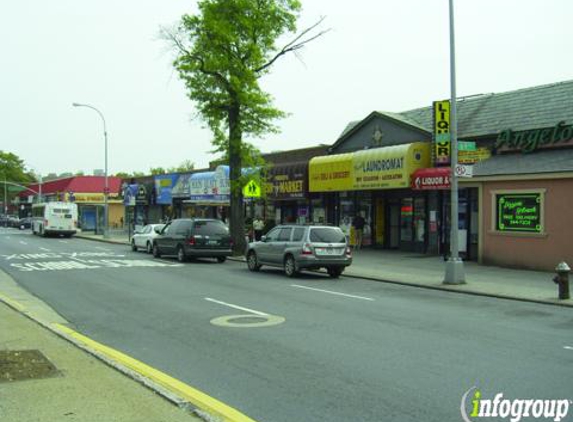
(454, 266)
(106, 188)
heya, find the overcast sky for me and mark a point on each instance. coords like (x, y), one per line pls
(380, 55)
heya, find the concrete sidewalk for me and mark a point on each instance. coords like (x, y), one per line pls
(427, 271)
(82, 389)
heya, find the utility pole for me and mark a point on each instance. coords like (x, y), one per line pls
(454, 266)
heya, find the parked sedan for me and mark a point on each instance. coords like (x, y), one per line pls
(25, 223)
(143, 238)
(193, 237)
(299, 247)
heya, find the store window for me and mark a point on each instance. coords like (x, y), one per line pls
(419, 219)
(406, 219)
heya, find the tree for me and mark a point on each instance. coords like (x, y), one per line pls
(13, 169)
(157, 170)
(183, 167)
(221, 53)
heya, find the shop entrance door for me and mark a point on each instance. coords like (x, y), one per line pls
(394, 226)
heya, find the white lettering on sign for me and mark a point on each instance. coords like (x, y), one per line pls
(89, 264)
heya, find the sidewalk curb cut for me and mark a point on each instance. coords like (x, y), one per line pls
(449, 289)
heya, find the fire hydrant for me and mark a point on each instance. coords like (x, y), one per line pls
(562, 279)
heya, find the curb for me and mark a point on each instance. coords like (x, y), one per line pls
(95, 239)
(450, 289)
(182, 395)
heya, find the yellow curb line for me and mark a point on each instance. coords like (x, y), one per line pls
(12, 303)
(194, 396)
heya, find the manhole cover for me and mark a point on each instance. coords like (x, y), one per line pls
(17, 365)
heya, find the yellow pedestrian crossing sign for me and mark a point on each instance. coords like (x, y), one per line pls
(252, 190)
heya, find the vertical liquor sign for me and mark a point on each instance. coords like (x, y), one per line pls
(442, 149)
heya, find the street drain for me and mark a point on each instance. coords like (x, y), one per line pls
(248, 321)
(18, 365)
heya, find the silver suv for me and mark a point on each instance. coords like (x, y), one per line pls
(298, 247)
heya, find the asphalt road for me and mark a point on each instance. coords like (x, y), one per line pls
(347, 350)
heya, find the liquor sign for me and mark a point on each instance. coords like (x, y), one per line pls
(518, 212)
(431, 178)
(442, 136)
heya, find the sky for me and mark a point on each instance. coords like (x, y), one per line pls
(382, 55)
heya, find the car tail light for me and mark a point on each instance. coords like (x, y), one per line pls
(191, 241)
(306, 249)
(348, 251)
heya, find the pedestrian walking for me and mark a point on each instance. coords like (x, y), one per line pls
(358, 224)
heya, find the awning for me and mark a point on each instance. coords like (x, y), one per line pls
(287, 181)
(431, 178)
(378, 168)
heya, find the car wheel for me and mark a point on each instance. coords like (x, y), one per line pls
(334, 272)
(156, 253)
(181, 254)
(133, 247)
(290, 267)
(148, 247)
(221, 259)
(253, 261)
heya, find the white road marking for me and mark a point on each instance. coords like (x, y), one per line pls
(568, 347)
(62, 241)
(332, 293)
(236, 307)
(103, 249)
(23, 243)
(45, 249)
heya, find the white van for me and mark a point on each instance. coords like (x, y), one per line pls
(57, 218)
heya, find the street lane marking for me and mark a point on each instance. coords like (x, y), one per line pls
(103, 249)
(174, 386)
(568, 347)
(332, 293)
(240, 308)
(45, 249)
(62, 241)
(23, 243)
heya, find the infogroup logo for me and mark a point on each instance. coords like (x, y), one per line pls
(515, 410)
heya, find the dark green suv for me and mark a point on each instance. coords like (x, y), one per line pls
(193, 237)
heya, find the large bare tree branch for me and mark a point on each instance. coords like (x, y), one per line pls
(295, 44)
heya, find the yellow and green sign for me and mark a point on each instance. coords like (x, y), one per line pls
(442, 137)
(252, 189)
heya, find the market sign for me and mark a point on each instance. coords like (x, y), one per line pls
(431, 178)
(518, 212)
(442, 137)
(330, 173)
(530, 140)
(287, 181)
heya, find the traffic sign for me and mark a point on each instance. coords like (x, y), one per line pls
(252, 190)
(464, 171)
(466, 146)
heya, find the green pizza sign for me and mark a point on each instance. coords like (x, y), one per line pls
(519, 212)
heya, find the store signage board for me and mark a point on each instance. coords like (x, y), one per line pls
(472, 157)
(442, 132)
(519, 212)
(431, 179)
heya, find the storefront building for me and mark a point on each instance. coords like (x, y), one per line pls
(521, 196)
(88, 193)
(368, 172)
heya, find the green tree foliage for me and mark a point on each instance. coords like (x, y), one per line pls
(221, 53)
(157, 170)
(14, 172)
(183, 167)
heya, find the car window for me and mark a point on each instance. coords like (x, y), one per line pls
(327, 235)
(298, 234)
(284, 235)
(183, 228)
(273, 235)
(167, 228)
(146, 229)
(210, 228)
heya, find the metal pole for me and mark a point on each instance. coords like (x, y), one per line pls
(40, 190)
(454, 266)
(106, 184)
(5, 200)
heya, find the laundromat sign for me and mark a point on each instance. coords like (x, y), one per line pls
(530, 140)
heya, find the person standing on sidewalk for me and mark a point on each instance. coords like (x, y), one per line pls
(258, 227)
(358, 224)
